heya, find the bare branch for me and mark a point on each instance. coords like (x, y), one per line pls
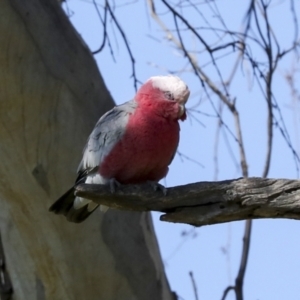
(205, 203)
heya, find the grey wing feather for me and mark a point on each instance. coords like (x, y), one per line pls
(107, 132)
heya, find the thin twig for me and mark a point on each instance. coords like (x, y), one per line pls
(226, 291)
(132, 59)
(239, 281)
(103, 24)
(194, 285)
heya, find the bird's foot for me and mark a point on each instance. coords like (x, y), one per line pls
(158, 187)
(113, 184)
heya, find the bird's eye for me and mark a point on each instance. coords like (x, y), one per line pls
(169, 95)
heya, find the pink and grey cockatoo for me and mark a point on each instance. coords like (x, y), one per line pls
(133, 143)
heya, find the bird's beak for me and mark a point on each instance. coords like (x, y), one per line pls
(181, 110)
(182, 101)
(184, 97)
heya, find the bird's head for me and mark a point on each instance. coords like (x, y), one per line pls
(167, 92)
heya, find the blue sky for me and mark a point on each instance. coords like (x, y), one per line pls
(212, 253)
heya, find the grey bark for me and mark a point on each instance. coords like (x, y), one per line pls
(51, 95)
(206, 203)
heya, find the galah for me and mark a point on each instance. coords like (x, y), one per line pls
(133, 143)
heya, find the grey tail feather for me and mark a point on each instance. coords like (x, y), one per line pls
(64, 206)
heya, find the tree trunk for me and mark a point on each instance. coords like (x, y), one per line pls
(51, 95)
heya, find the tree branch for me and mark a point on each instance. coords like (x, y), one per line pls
(205, 203)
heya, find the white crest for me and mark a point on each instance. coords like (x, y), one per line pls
(169, 83)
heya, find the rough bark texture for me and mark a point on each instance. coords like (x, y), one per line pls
(51, 95)
(205, 203)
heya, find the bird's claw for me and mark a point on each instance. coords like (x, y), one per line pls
(158, 187)
(113, 184)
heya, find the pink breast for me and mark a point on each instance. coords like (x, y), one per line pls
(145, 150)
